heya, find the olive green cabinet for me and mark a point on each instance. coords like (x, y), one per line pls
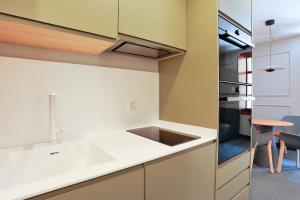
(126, 185)
(234, 187)
(94, 16)
(188, 176)
(238, 10)
(233, 178)
(161, 21)
(243, 195)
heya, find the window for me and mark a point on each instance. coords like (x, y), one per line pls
(245, 76)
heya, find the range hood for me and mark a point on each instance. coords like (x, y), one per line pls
(139, 47)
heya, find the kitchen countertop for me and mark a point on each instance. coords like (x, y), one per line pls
(127, 149)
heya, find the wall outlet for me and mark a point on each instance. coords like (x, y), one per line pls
(61, 130)
(132, 106)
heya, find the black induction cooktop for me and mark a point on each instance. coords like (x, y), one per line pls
(164, 136)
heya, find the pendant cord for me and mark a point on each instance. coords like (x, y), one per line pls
(270, 46)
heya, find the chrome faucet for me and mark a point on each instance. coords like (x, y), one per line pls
(52, 117)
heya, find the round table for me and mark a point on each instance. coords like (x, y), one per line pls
(264, 126)
(270, 123)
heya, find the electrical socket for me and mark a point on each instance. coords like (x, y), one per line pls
(132, 105)
(61, 130)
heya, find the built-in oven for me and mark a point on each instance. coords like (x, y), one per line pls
(235, 90)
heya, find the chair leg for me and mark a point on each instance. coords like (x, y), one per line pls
(280, 158)
(285, 150)
(270, 156)
(298, 158)
(252, 156)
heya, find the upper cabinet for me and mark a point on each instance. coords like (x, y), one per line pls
(239, 10)
(161, 21)
(94, 16)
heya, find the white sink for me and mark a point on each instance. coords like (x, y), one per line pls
(29, 163)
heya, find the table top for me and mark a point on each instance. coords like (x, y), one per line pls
(268, 122)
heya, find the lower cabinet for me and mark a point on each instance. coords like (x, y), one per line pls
(126, 185)
(186, 176)
(233, 179)
(243, 195)
(232, 168)
(231, 189)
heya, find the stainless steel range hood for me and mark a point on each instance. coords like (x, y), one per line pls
(138, 47)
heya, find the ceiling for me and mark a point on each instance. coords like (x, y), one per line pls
(287, 19)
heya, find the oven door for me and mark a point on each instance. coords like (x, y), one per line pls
(234, 48)
(235, 116)
(235, 67)
(235, 90)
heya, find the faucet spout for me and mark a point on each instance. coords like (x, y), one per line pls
(52, 117)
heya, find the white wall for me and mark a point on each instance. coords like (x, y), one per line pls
(92, 99)
(277, 93)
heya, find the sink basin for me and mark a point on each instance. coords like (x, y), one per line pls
(29, 163)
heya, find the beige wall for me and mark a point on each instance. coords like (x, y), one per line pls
(189, 84)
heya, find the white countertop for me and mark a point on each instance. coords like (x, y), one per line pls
(127, 149)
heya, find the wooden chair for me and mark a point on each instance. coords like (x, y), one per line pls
(289, 139)
(291, 142)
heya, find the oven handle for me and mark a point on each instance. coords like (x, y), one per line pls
(240, 98)
(226, 36)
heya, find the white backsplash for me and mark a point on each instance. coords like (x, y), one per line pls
(92, 99)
